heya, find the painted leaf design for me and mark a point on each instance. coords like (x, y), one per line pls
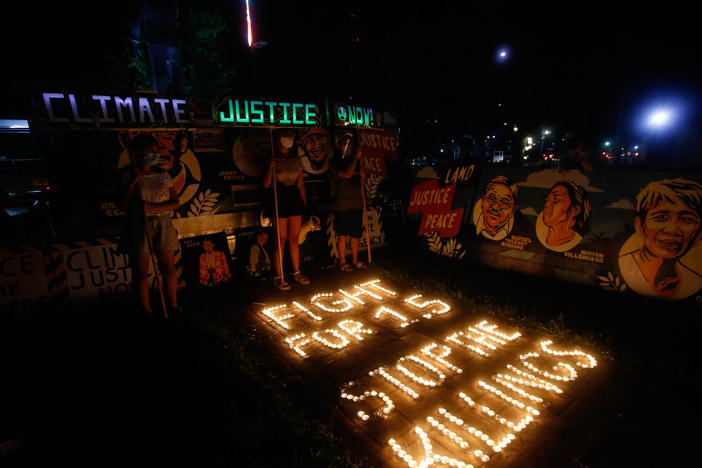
(434, 242)
(204, 203)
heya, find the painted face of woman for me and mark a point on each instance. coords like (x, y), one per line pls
(287, 142)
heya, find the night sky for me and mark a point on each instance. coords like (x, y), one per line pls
(581, 65)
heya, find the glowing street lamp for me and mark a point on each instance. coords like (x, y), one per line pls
(659, 118)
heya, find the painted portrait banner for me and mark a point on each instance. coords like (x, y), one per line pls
(314, 148)
(435, 204)
(625, 231)
(662, 257)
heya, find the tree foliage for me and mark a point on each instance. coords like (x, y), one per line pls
(206, 49)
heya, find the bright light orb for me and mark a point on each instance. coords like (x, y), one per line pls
(659, 118)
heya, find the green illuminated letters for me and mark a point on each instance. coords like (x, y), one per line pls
(239, 118)
(310, 114)
(271, 105)
(222, 118)
(269, 113)
(255, 111)
(285, 106)
(295, 107)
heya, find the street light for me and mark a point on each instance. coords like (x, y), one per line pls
(659, 118)
(543, 137)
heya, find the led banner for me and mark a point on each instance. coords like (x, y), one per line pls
(152, 110)
(346, 114)
(109, 110)
(435, 204)
(269, 113)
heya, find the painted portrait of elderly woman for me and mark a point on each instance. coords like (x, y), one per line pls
(660, 258)
(562, 223)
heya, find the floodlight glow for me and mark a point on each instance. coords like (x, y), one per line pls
(665, 113)
(659, 118)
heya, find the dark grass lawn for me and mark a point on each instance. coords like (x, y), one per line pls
(106, 387)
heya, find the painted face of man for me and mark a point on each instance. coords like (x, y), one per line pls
(315, 145)
(498, 205)
(559, 208)
(166, 142)
(669, 229)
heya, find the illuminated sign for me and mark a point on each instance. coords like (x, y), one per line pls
(463, 398)
(355, 116)
(106, 110)
(267, 113)
(111, 110)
